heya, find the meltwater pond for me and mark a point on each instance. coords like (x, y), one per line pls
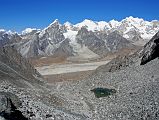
(103, 92)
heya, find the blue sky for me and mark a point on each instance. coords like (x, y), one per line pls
(18, 14)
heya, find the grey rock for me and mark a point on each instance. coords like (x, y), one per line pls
(115, 42)
(6, 38)
(44, 43)
(118, 63)
(65, 49)
(9, 104)
(89, 39)
(7, 100)
(150, 50)
(15, 66)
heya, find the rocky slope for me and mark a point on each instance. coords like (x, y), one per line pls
(136, 87)
(23, 92)
(15, 63)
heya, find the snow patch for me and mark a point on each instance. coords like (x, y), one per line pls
(68, 25)
(114, 24)
(93, 26)
(28, 30)
(9, 32)
(2, 30)
(102, 25)
(71, 35)
(81, 52)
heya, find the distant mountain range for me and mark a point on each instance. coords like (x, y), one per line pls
(85, 40)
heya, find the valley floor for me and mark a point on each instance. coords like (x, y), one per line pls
(68, 71)
(69, 68)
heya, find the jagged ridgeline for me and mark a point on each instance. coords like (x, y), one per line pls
(88, 39)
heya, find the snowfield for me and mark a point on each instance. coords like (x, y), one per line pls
(83, 53)
(69, 68)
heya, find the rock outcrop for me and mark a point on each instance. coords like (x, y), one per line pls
(150, 50)
(9, 107)
(14, 65)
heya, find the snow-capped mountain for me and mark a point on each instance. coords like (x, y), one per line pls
(46, 42)
(29, 30)
(93, 26)
(145, 29)
(8, 37)
(88, 39)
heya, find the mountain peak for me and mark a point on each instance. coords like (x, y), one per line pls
(56, 21)
(87, 20)
(133, 19)
(91, 26)
(114, 23)
(68, 25)
(9, 32)
(28, 30)
(2, 30)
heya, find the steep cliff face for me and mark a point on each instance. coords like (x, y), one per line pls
(15, 66)
(114, 42)
(29, 45)
(90, 40)
(150, 50)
